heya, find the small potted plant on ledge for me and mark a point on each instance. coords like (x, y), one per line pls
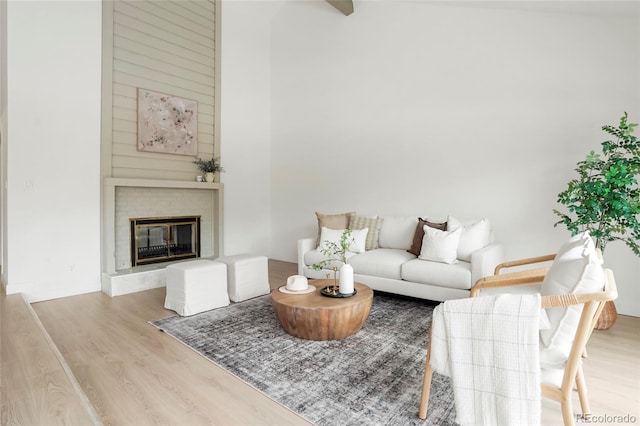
(209, 167)
(605, 198)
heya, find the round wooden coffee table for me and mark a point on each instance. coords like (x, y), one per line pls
(312, 316)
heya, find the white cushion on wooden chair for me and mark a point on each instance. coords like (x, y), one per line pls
(551, 375)
(577, 268)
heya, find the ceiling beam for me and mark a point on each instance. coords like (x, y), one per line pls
(344, 6)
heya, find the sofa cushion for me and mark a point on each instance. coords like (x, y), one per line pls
(356, 244)
(373, 224)
(384, 263)
(457, 275)
(416, 244)
(397, 232)
(475, 236)
(333, 221)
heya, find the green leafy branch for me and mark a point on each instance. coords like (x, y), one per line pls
(605, 198)
(209, 166)
(335, 252)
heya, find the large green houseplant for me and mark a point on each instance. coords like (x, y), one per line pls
(605, 197)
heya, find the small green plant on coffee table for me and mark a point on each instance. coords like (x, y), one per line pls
(335, 252)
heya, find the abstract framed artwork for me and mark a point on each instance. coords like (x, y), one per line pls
(167, 124)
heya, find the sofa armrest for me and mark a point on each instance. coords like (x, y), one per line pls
(304, 245)
(484, 261)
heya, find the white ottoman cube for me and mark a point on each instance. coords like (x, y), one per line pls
(247, 276)
(196, 286)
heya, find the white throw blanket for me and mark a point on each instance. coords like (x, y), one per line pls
(489, 348)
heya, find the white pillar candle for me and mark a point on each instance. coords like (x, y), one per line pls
(346, 279)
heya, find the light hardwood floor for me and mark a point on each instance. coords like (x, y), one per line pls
(133, 374)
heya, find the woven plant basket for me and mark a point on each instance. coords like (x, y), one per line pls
(607, 317)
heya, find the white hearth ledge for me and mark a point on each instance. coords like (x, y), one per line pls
(136, 279)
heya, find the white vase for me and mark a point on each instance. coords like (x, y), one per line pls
(209, 177)
(346, 279)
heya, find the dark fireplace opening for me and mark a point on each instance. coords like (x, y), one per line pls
(161, 239)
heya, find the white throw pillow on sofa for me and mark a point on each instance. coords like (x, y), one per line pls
(440, 246)
(577, 268)
(397, 232)
(358, 238)
(474, 236)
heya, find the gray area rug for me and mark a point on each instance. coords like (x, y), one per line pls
(371, 378)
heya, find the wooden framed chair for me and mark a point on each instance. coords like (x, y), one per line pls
(561, 388)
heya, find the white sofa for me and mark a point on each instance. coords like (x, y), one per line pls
(391, 268)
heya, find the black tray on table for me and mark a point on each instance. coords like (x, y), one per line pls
(328, 291)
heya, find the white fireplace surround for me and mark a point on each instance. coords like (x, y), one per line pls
(126, 198)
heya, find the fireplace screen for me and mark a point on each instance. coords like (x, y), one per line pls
(163, 239)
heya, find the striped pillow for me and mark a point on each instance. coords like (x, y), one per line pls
(373, 223)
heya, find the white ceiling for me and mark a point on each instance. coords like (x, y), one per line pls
(596, 7)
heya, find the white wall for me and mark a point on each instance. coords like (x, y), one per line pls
(3, 133)
(410, 108)
(53, 148)
(246, 124)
